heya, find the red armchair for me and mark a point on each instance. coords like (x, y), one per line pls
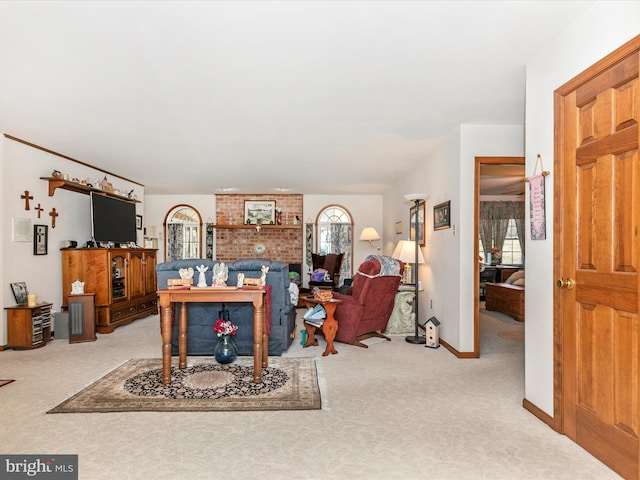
(367, 305)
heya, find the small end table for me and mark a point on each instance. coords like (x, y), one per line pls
(329, 327)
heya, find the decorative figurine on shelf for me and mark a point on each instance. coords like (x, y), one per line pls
(77, 287)
(202, 282)
(263, 277)
(186, 273)
(220, 275)
(258, 282)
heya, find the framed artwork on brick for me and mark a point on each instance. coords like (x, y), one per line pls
(259, 212)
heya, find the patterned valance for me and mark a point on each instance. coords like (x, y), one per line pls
(501, 210)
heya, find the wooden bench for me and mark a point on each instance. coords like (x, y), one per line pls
(505, 298)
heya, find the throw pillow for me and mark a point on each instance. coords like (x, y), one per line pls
(515, 276)
(320, 275)
(519, 281)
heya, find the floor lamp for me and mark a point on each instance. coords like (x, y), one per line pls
(416, 198)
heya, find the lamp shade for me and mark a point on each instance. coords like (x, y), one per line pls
(405, 251)
(415, 197)
(369, 234)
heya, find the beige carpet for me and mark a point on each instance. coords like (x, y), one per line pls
(205, 385)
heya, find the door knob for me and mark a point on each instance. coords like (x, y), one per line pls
(569, 283)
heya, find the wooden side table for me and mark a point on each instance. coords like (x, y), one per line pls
(329, 327)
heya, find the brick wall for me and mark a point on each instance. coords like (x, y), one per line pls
(283, 244)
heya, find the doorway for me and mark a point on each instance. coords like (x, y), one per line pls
(496, 179)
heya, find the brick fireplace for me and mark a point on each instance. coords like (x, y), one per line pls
(236, 240)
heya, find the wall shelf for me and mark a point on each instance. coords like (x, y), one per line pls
(55, 183)
(253, 227)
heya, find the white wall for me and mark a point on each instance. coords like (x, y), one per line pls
(594, 34)
(448, 174)
(366, 211)
(3, 322)
(156, 208)
(477, 141)
(22, 167)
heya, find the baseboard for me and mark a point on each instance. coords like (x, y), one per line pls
(456, 352)
(539, 414)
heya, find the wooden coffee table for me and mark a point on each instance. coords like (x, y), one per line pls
(329, 327)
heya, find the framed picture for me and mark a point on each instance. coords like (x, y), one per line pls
(139, 222)
(21, 229)
(416, 224)
(442, 216)
(40, 239)
(259, 212)
(20, 292)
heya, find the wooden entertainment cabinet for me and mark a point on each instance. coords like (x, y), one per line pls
(123, 279)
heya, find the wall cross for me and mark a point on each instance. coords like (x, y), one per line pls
(39, 209)
(26, 197)
(53, 214)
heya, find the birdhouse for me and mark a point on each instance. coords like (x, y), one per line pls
(432, 332)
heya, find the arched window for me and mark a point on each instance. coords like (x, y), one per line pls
(182, 229)
(335, 235)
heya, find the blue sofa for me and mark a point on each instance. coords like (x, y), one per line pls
(201, 339)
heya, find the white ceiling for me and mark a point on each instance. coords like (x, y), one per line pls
(319, 97)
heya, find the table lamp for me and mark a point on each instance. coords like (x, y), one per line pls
(405, 252)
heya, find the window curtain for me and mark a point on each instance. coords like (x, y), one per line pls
(486, 235)
(308, 239)
(174, 241)
(500, 228)
(494, 220)
(341, 242)
(520, 230)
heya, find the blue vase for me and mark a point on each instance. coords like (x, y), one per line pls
(226, 350)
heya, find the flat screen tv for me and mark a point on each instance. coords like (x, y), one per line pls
(112, 219)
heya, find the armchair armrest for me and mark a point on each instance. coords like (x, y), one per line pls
(349, 308)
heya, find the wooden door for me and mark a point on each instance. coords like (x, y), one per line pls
(598, 258)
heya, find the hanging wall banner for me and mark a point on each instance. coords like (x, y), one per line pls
(536, 207)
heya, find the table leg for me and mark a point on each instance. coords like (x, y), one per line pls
(311, 330)
(182, 336)
(258, 338)
(329, 328)
(165, 332)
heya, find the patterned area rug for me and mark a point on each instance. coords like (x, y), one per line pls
(287, 384)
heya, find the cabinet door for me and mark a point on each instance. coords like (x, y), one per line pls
(136, 274)
(150, 273)
(119, 276)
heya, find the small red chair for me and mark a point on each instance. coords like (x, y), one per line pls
(366, 307)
